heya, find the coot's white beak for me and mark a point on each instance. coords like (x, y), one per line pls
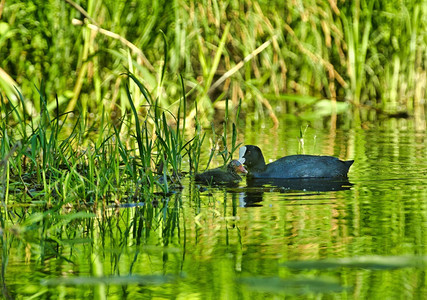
(242, 152)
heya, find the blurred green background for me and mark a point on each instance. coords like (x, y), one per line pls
(307, 59)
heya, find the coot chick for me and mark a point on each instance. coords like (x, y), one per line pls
(293, 166)
(221, 175)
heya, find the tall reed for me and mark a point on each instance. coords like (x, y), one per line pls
(366, 53)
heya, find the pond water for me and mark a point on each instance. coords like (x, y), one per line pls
(365, 238)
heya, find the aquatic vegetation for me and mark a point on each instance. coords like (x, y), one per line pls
(312, 60)
(54, 176)
(91, 162)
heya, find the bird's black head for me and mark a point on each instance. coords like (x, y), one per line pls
(251, 156)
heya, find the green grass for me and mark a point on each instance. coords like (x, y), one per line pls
(58, 160)
(369, 54)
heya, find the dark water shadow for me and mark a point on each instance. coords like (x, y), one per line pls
(254, 191)
(306, 184)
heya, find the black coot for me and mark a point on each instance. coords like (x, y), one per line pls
(293, 166)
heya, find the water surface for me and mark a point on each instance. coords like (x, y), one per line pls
(361, 239)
